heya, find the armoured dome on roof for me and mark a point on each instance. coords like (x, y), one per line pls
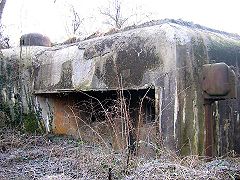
(35, 39)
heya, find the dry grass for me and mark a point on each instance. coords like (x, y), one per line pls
(56, 157)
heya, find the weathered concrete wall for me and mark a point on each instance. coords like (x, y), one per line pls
(167, 56)
(16, 86)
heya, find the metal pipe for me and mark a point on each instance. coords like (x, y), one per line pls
(208, 127)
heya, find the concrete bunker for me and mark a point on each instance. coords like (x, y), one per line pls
(166, 55)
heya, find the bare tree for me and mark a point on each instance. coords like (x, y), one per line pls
(118, 14)
(2, 5)
(4, 41)
(114, 14)
(75, 18)
(76, 21)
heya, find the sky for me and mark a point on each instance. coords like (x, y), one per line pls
(53, 17)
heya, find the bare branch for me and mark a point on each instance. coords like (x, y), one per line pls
(76, 21)
(114, 14)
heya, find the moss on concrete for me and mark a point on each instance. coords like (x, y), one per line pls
(224, 50)
(66, 76)
(191, 58)
(31, 123)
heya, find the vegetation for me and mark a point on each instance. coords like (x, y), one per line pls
(31, 123)
(60, 157)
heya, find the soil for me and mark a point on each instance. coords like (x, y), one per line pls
(24, 156)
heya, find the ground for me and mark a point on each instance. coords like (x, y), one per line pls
(24, 156)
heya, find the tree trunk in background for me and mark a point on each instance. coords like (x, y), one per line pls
(3, 116)
(2, 5)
